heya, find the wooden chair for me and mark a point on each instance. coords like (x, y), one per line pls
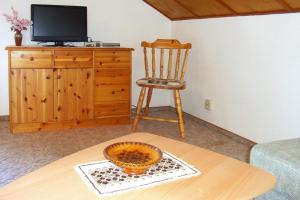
(174, 79)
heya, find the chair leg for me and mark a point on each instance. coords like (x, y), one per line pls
(179, 112)
(149, 96)
(139, 109)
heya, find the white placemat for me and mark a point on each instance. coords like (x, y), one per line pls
(105, 178)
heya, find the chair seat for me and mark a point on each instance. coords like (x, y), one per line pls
(169, 84)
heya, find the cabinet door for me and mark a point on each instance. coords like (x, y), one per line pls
(73, 94)
(31, 95)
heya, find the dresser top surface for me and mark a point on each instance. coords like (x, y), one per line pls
(38, 47)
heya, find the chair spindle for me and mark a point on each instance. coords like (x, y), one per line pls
(153, 62)
(177, 64)
(184, 64)
(170, 63)
(168, 82)
(146, 62)
(161, 63)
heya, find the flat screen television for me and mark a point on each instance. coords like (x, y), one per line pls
(58, 24)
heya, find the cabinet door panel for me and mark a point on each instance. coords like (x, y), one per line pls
(73, 97)
(32, 95)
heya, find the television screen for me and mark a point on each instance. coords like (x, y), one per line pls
(53, 23)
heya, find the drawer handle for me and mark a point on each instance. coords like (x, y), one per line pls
(31, 58)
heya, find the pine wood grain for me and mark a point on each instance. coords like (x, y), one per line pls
(112, 59)
(163, 82)
(112, 76)
(112, 93)
(252, 6)
(170, 8)
(31, 59)
(74, 94)
(51, 126)
(200, 9)
(32, 95)
(295, 4)
(222, 177)
(112, 84)
(205, 7)
(114, 108)
(73, 59)
(62, 85)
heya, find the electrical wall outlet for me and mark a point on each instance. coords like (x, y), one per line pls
(207, 104)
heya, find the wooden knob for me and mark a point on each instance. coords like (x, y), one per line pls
(31, 58)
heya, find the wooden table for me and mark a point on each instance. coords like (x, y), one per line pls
(222, 177)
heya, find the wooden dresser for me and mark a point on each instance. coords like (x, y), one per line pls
(64, 87)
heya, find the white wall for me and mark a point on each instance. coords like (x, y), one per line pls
(128, 22)
(250, 68)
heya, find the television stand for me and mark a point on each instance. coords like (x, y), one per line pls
(52, 88)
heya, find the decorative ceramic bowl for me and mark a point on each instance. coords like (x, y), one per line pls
(133, 157)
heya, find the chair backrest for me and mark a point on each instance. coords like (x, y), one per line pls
(171, 46)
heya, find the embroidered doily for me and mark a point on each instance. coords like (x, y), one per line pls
(105, 178)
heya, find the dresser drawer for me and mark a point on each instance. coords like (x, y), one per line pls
(31, 59)
(112, 92)
(112, 59)
(104, 109)
(73, 59)
(111, 76)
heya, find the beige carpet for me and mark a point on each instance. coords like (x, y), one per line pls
(23, 153)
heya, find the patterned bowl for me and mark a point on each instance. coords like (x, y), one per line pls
(133, 157)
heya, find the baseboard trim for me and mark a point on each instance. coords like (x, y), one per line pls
(4, 117)
(216, 128)
(223, 131)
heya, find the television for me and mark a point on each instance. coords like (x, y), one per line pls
(58, 24)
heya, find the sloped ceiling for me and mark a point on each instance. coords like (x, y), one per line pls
(195, 9)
